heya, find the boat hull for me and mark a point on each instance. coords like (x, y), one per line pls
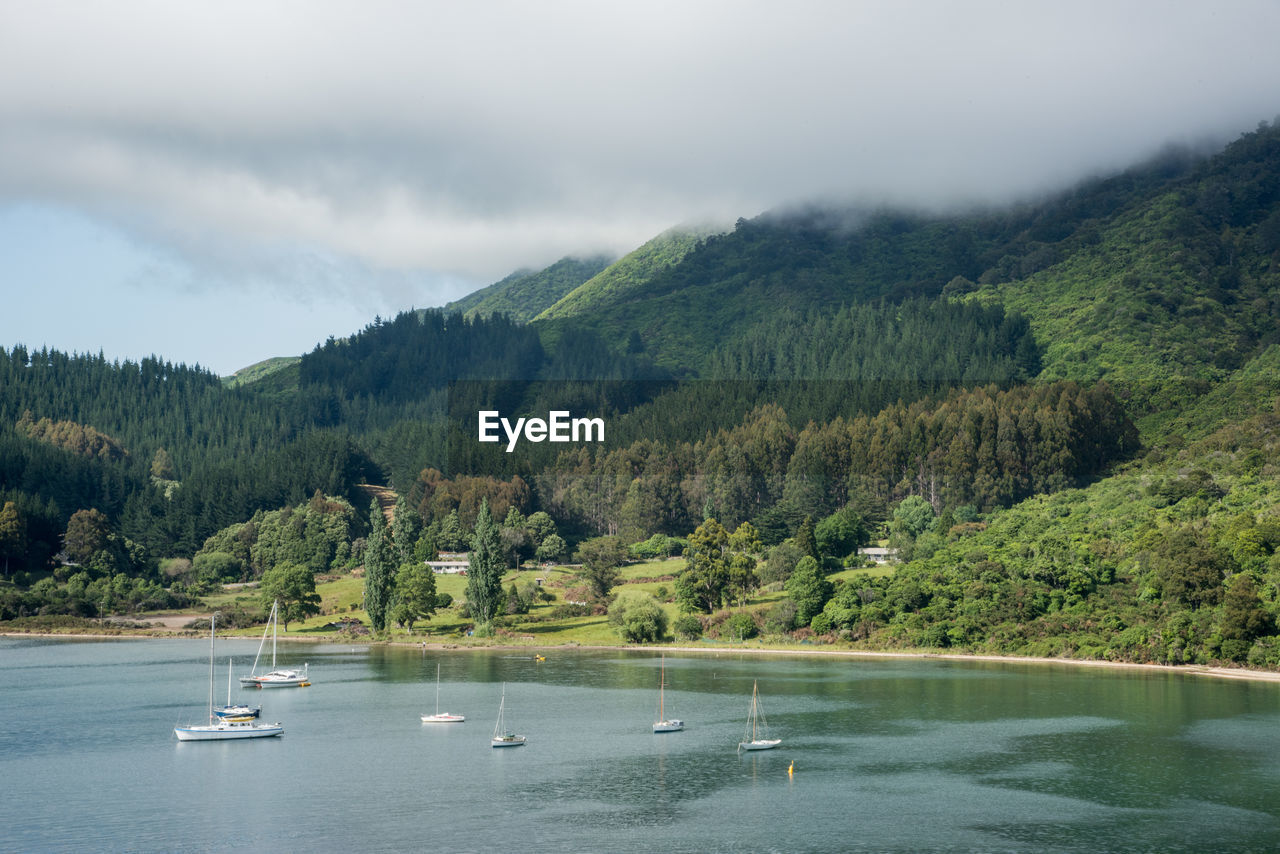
(443, 718)
(760, 744)
(236, 713)
(668, 726)
(277, 679)
(227, 731)
(508, 741)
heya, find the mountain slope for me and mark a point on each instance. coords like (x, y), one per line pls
(628, 277)
(526, 293)
(1162, 279)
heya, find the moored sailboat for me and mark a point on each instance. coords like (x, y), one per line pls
(276, 678)
(757, 736)
(235, 711)
(663, 723)
(223, 730)
(441, 717)
(502, 737)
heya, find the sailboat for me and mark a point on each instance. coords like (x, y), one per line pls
(282, 678)
(757, 728)
(501, 736)
(222, 730)
(239, 711)
(441, 717)
(663, 723)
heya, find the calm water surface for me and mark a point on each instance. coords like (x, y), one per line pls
(889, 755)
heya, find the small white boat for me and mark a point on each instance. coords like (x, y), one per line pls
(663, 723)
(276, 678)
(441, 717)
(757, 728)
(501, 736)
(223, 730)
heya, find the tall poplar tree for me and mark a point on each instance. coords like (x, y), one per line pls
(379, 569)
(406, 527)
(485, 567)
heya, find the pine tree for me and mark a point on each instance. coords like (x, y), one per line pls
(379, 569)
(484, 572)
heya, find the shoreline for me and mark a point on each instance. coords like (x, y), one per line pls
(1243, 674)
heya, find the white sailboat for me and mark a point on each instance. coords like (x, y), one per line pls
(222, 730)
(757, 727)
(501, 736)
(276, 678)
(441, 717)
(663, 723)
(236, 711)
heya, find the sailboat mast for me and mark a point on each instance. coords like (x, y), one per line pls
(213, 620)
(662, 684)
(754, 695)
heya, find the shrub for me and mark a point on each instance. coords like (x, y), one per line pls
(638, 619)
(739, 626)
(687, 628)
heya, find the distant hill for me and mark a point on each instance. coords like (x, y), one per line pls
(627, 278)
(260, 370)
(526, 293)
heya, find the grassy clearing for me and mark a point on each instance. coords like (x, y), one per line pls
(343, 597)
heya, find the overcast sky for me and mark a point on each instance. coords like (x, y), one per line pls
(223, 182)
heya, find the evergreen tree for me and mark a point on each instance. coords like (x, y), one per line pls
(379, 566)
(406, 527)
(486, 564)
(806, 540)
(12, 535)
(702, 584)
(600, 558)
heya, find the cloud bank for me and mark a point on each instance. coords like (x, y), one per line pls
(406, 146)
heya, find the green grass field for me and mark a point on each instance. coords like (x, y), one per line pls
(342, 597)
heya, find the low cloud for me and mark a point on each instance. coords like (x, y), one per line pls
(411, 147)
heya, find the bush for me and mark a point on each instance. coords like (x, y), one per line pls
(739, 626)
(688, 627)
(639, 619)
(781, 618)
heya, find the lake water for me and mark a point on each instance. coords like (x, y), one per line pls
(889, 754)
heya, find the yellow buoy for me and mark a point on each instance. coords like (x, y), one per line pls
(791, 768)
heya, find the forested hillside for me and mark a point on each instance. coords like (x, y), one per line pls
(1061, 415)
(525, 294)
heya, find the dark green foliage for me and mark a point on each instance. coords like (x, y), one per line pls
(294, 587)
(379, 569)
(601, 558)
(486, 565)
(809, 589)
(701, 586)
(1242, 618)
(687, 627)
(414, 595)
